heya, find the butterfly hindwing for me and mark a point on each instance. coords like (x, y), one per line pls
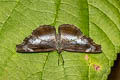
(42, 39)
(72, 39)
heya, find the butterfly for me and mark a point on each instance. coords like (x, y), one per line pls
(69, 38)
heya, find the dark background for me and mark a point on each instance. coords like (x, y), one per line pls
(115, 72)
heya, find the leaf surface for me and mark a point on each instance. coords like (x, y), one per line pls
(99, 19)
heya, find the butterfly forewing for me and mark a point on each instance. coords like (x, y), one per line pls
(72, 39)
(42, 39)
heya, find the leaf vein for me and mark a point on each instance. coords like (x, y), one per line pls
(106, 16)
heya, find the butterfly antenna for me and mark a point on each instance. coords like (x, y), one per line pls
(60, 57)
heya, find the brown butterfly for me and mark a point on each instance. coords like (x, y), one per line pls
(69, 38)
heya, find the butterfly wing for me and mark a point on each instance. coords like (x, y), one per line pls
(42, 39)
(72, 39)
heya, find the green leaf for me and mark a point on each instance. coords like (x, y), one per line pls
(99, 19)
